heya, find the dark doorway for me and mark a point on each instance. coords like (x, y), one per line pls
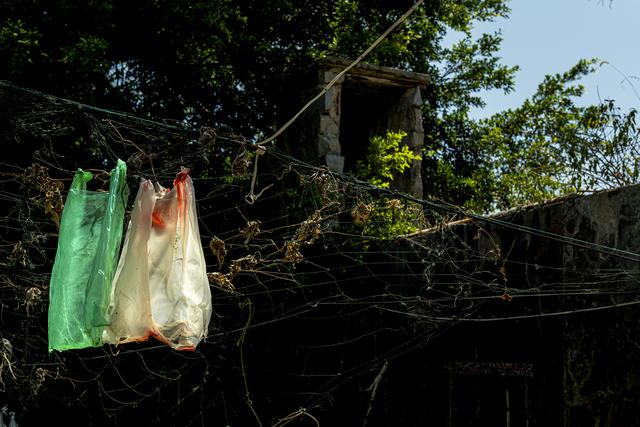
(364, 113)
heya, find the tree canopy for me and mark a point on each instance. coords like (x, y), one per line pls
(228, 63)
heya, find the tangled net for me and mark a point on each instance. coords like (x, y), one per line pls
(323, 286)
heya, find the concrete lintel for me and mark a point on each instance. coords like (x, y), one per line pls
(377, 73)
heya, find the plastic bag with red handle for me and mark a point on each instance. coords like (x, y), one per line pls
(161, 287)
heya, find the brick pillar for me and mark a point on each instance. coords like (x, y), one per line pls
(329, 132)
(406, 115)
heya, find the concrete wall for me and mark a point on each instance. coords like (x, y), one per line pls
(572, 305)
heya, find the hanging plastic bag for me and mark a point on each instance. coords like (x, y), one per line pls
(161, 287)
(88, 245)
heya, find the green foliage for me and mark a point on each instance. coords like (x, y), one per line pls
(548, 146)
(89, 53)
(226, 64)
(390, 218)
(385, 157)
(611, 156)
(18, 44)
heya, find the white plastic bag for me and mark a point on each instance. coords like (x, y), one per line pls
(161, 287)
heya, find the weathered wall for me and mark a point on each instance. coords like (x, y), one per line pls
(574, 318)
(601, 350)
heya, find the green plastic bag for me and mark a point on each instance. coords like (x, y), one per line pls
(88, 247)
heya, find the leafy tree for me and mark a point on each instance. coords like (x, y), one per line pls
(223, 62)
(228, 63)
(550, 145)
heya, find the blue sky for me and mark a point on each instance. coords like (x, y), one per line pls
(549, 36)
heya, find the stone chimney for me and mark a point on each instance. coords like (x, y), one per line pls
(367, 101)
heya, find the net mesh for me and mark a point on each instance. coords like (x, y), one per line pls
(319, 281)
